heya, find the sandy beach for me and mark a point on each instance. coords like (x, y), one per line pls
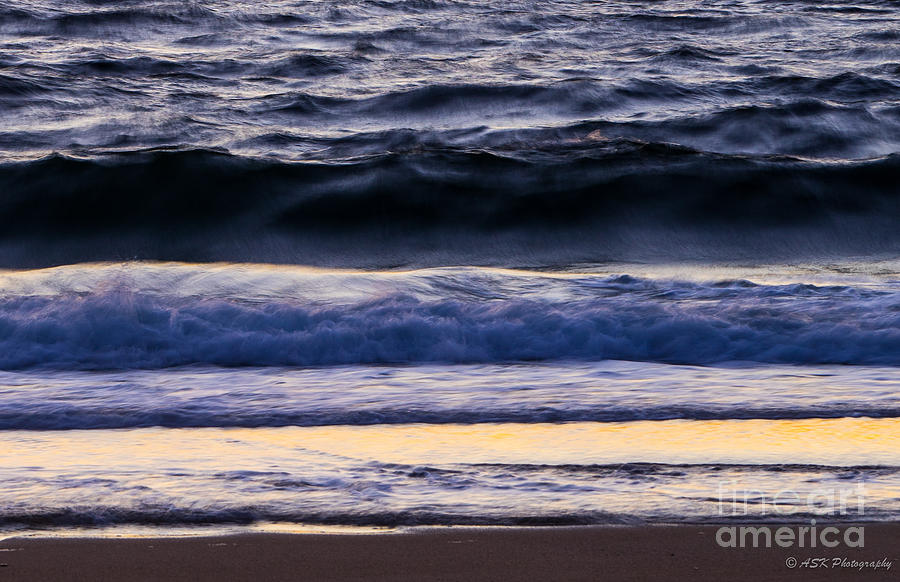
(471, 554)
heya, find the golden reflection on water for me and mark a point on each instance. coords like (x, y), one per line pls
(844, 441)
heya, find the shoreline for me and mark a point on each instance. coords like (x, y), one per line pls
(570, 553)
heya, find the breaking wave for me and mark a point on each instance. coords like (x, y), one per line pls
(443, 315)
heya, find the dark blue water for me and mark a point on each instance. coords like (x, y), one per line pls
(542, 262)
(378, 134)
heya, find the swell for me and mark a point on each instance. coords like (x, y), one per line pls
(574, 200)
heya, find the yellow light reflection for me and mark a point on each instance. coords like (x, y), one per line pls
(845, 441)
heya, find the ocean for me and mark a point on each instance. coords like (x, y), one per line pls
(388, 263)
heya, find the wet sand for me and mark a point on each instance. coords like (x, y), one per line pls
(465, 554)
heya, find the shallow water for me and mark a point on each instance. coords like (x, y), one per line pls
(487, 474)
(445, 396)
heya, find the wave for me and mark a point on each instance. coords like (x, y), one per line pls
(573, 202)
(91, 21)
(261, 415)
(845, 94)
(110, 516)
(811, 128)
(355, 395)
(106, 516)
(465, 318)
(344, 499)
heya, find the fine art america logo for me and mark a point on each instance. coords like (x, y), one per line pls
(734, 501)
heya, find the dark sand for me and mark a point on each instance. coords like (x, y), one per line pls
(465, 554)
